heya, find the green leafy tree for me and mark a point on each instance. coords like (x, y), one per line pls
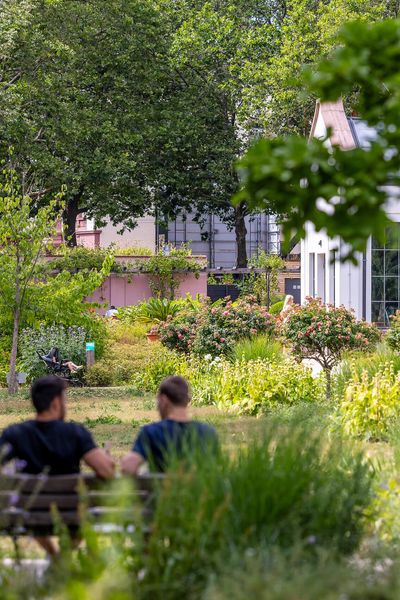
(341, 192)
(234, 65)
(307, 33)
(78, 83)
(25, 236)
(215, 51)
(23, 240)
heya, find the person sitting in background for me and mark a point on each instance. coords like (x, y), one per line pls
(287, 308)
(54, 354)
(112, 312)
(175, 434)
(48, 444)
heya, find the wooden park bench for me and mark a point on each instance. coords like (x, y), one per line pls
(36, 505)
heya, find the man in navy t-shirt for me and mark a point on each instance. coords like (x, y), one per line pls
(176, 434)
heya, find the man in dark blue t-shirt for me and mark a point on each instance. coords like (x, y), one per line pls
(175, 434)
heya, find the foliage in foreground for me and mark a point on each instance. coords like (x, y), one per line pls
(291, 485)
(293, 493)
(275, 575)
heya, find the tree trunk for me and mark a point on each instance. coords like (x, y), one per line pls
(241, 233)
(70, 216)
(13, 383)
(328, 374)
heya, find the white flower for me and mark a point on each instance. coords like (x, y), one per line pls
(217, 359)
(208, 357)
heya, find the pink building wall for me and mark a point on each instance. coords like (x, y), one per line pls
(124, 289)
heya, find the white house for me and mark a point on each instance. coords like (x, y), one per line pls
(371, 288)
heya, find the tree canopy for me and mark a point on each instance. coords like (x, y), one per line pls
(77, 82)
(139, 106)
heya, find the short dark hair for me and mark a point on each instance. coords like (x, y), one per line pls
(44, 390)
(176, 389)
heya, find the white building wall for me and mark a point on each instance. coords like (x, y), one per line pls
(333, 281)
(340, 283)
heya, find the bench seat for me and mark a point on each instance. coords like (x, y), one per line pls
(36, 504)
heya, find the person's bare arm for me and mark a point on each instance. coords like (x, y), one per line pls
(101, 463)
(131, 463)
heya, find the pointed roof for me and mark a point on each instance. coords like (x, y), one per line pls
(334, 117)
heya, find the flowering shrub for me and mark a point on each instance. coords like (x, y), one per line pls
(256, 387)
(371, 406)
(179, 333)
(393, 335)
(214, 329)
(324, 332)
(224, 324)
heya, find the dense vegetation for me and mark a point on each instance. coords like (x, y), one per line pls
(150, 103)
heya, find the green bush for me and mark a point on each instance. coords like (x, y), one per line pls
(357, 363)
(276, 308)
(260, 346)
(393, 335)
(129, 314)
(291, 485)
(99, 375)
(255, 387)
(126, 362)
(78, 258)
(370, 407)
(97, 331)
(131, 251)
(164, 364)
(156, 310)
